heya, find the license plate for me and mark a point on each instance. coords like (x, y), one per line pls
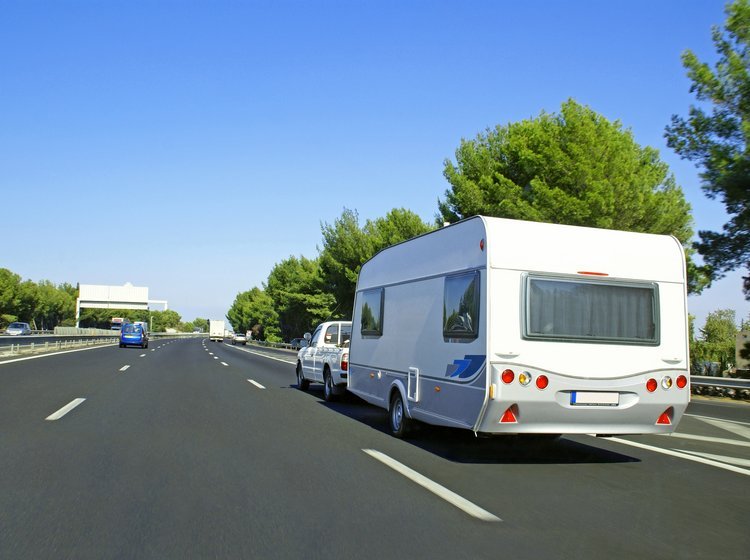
(594, 398)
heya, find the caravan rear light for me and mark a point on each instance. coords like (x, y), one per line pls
(666, 382)
(542, 382)
(666, 417)
(508, 376)
(509, 416)
(345, 362)
(651, 385)
(681, 382)
(524, 378)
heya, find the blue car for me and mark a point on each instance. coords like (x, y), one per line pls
(132, 334)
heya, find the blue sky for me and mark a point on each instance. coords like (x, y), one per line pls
(188, 146)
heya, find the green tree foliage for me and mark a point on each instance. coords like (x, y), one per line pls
(296, 287)
(575, 168)
(44, 305)
(201, 324)
(718, 142)
(254, 311)
(162, 320)
(346, 247)
(717, 340)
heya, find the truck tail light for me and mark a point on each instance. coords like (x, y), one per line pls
(345, 362)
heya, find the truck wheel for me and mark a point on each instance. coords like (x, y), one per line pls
(302, 383)
(398, 422)
(329, 391)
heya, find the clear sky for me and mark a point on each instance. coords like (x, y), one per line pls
(188, 146)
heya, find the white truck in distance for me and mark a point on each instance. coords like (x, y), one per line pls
(326, 359)
(215, 330)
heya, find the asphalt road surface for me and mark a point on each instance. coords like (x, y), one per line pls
(197, 449)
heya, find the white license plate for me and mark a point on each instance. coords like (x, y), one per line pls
(594, 398)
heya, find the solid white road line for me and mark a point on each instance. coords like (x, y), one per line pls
(47, 355)
(732, 427)
(64, 410)
(723, 458)
(264, 355)
(124, 368)
(724, 441)
(258, 385)
(711, 418)
(441, 491)
(682, 455)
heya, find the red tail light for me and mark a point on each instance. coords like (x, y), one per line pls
(508, 376)
(681, 381)
(651, 385)
(344, 362)
(542, 382)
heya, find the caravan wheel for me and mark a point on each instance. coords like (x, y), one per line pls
(398, 422)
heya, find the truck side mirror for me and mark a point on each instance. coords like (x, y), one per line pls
(307, 336)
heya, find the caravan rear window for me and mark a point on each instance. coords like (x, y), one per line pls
(461, 306)
(591, 311)
(372, 313)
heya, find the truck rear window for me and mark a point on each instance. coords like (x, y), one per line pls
(591, 311)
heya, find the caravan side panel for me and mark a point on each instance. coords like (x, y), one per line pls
(448, 374)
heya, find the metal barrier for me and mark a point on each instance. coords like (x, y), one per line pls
(731, 387)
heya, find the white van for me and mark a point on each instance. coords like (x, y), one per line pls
(506, 327)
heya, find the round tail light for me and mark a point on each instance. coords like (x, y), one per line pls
(651, 385)
(681, 381)
(542, 382)
(508, 376)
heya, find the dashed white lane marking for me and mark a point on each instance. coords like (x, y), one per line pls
(441, 491)
(142, 356)
(683, 455)
(124, 368)
(258, 385)
(216, 357)
(225, 364)
(64, 410)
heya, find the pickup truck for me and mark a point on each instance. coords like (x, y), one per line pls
(326, 359)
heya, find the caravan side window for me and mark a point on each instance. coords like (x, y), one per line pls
(461, 306)
(371, 312)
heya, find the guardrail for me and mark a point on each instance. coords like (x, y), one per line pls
(732, 387)
(40, 347)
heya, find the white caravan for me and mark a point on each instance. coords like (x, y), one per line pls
(511, 327)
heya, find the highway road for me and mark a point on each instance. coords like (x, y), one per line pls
(194, 449)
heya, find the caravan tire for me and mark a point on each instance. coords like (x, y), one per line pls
(302, 383)
(398, 422)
